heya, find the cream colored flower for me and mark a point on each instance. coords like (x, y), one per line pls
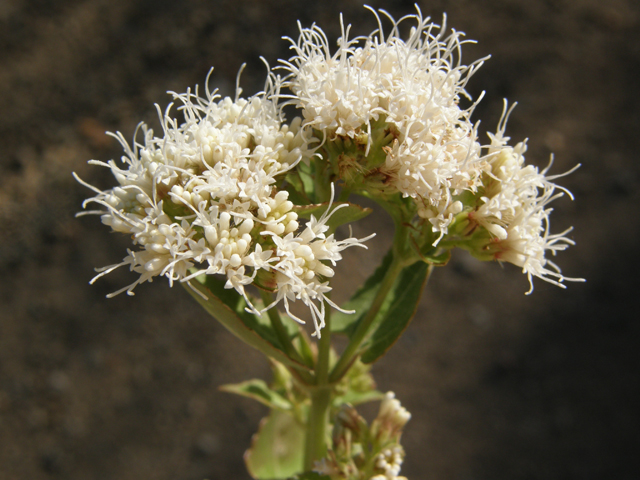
(205, 196)
(415, 85)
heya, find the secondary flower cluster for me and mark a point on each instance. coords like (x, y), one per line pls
(367, 452)
(206, 195)
(511, 209)
(399, 101)
(414, 85)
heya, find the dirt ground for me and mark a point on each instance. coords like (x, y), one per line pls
(501, 385)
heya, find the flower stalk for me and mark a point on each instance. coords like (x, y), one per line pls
(321, 396)
(363, 329)
(280, 329)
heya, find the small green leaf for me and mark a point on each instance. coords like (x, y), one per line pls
(228, 307)
(315, 209)
(297, 188)
(404, 303)
(300, 184)
(260, 391)
(277, 450)
(340, 216)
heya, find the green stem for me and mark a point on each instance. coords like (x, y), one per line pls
(315, 447)
(281, 331)
(285, 340)
(324, 351)
(351, 352)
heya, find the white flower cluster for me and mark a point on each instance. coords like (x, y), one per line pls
(205, 198)
(514, 209)
(205, 195)
(391, 419)
(390, 462)
(415, 86)
(392, 412)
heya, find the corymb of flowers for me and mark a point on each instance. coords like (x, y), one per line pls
(234, 190)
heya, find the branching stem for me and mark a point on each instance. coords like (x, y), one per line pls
(362, 330)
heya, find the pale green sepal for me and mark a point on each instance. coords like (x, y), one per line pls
(227, 306)
(277, 450)
(258, 390)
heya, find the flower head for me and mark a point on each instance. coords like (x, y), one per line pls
(389, 112)
(415, 86)
(205, 196)
(513, 208)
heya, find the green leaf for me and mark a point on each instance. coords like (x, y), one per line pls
(300, 184)
(228, 307)
(297, 187)
(303, 345)
(277, 450)
(395, 313)
(260, 391)
(340, 216)
(396, 317)
(360, 301)
(260, 324)
(295, 196)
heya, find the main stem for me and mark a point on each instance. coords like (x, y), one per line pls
(316, 448)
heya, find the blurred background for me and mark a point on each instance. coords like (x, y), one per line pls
(501, 385)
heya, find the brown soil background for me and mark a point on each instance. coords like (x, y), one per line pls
(501, 385)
